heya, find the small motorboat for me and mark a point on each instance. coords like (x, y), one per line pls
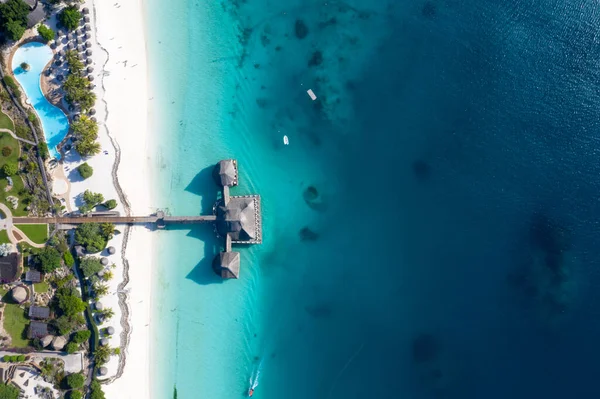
(251, 392)
(286, 141)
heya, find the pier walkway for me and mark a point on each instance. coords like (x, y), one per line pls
(158, 219)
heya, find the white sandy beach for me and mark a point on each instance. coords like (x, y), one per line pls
(121, 86)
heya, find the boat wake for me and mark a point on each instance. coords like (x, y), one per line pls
(254, 378)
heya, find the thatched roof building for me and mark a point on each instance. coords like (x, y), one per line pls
(10, 267)
(225, 173)
(227, 264)
(37, 329)
(238, 219)
(19, 294)
(39, 312)
(58, 343)
(46, 340)
(33, 276)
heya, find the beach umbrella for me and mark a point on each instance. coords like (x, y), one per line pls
(70, 46)
(58, 343)
(85, 10)
(99, 306)
(62, 53)
(103, 261)
(81, 48)
(87, 27)
(19, 294)
(89, 61)
(57, 56)
(80, 57)
(76, 116)
(88, 52)
(111, 250)
(87, 36)
(88, 44)
(79, 40)
(93, 119)
(92, 86)
(48, 72)
(110, 330)
(90, 69)
(60, 78)
(79, 31)
(102, 371)
(93, 112)
(52, 45)
(104, 342)
(86, 19)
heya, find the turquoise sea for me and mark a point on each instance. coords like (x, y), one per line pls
(452, 250)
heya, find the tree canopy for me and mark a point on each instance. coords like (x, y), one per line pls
(85, 170)
(92, 198)
(85, 133)
(96, 390)
(90, 265)
(75, 381)
(43, 150)
(75, 395)
(8, 392)
(75, 66)
(49, 259)
(10, 169)
(69, 18)
(46, 33)
(71, 305)
(110, 204)
(93, 236)
(81, 336)
(13, 18)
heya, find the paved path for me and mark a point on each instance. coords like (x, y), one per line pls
(73, 362)
(7, 223)
(17, 137)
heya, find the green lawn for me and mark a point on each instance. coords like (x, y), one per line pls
(6, 122)
(4, 237)
(41, 287)
(15, 323)
(37, 233)
(6, 140)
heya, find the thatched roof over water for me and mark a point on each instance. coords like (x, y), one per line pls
(227, 264)
(225, 173)
(238, 219)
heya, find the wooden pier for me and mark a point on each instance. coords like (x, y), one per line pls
(130, 220)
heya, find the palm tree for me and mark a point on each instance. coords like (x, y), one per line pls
(100, 290)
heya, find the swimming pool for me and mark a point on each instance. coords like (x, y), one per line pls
(54, 122)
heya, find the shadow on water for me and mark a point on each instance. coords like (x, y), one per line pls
(204, 185)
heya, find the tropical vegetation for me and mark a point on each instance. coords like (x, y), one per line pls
(13, 18)
(85, 170)
(85, 133)
(94, 236)
(45, 32)
(69, 17)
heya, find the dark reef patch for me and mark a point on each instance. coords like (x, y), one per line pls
(300, 29)
(306, 234)
(429, 10)
(425, 348)
(315, 59)
(421, 169)
(319, 311)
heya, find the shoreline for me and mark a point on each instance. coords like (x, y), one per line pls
(119, 32)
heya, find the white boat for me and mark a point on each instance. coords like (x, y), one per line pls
(286, 141)
(311, 94)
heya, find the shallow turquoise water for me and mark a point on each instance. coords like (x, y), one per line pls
(54, 122)
(454, 145)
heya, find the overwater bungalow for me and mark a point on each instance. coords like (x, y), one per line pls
(227, 264)
(225, 173)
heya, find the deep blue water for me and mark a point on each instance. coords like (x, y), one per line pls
(454, 145)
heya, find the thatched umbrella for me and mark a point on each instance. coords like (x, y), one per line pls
(88, 44)
(60, 78)
(81, 48)
(93, 112)
(57, 56)
(87, 36)
(58, 343)
(87, 27)
(90, 69)
(104, 341)
(89, 61)
(85, 11)
(76, 117)
(46, 340)
(62, 53)
(88, 52)
(99, 306)
(111, 250)
(79, 31)
(104, 261)
(110, 330)
(80, 57)
(86, 19)
(48, 72)
(102, 371)
(19, 294)
(93, 119)
(70, 46)
(52, 45)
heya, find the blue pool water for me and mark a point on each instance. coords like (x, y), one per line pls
(54, 122)
(455, 145)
